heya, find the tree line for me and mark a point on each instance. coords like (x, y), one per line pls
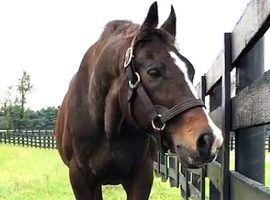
(15, 115)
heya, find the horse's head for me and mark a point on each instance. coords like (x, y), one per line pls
(160, 82)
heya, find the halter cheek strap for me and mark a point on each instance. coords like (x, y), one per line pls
(158, 120)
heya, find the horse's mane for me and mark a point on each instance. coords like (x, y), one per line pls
(127, 28)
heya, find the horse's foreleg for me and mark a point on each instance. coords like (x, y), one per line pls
(82, 187)
(139, 186)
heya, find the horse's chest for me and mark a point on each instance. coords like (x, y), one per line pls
(113, 163)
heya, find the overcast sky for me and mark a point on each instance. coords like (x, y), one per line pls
(49, 38)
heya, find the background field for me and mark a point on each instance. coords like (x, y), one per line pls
(31, 173)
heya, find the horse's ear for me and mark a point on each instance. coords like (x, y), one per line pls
(113, 115)
(170, 24)
(151, 20)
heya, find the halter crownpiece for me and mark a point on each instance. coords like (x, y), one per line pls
(128, 56)
(129, 53)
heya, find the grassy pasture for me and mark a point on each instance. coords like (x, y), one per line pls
(30, 173)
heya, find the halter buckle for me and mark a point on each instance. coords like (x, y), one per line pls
(134, 85)
(128, 56)
(155, 127)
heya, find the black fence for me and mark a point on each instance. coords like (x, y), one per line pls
(238, 93)
(266, 143)
(189, 181)
(29, 138)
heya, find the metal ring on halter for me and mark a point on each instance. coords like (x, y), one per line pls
(134, 85)
(156, 127)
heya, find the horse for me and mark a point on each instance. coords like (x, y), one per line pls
(132, 96)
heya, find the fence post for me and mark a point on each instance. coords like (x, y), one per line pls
(203, 174)
(54, 140)
(22, 135)
(173, 164)
(249, 149)
(49, 140)
(35, 135)
(215, 102)
(18, 137)
(39, 138)
(226, 117)
(8, 136)
(268, 143)
(5, 137)
(231, 143)
(14, 137)
(31, 138)
(201, 179)
(27, 138)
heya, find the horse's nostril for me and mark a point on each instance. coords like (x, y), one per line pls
(204, 144)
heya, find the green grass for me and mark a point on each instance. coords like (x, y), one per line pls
(31, 174)
(267, 172)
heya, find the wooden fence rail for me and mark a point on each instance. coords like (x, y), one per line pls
(29, 138)
(267, 143)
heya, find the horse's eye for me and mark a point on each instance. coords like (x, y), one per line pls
(154, 73)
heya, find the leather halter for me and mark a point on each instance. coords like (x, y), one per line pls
(158, 120)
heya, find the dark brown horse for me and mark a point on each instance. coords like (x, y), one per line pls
(132, 92)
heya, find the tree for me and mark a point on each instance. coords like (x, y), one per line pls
(47, 117)
(9, 110)
(14, 115)
(24, 86)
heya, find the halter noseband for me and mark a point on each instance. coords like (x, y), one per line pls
(158, 120)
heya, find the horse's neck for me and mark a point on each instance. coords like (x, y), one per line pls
(99, 68)
(130, 127)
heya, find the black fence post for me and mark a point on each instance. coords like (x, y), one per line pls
(8, 135)
(46, 139)
(54, 140)
(49, 141)
(18, 136)
(250, 148)
(215, 102)
(35, 135)
(23, 137)
(268, 143)
(27, 138)
(39, 139)
(5, 137)
(174, 165)
(203, 175)
(31, 138)
(232, 143)
(226, 117)
(14, 137)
